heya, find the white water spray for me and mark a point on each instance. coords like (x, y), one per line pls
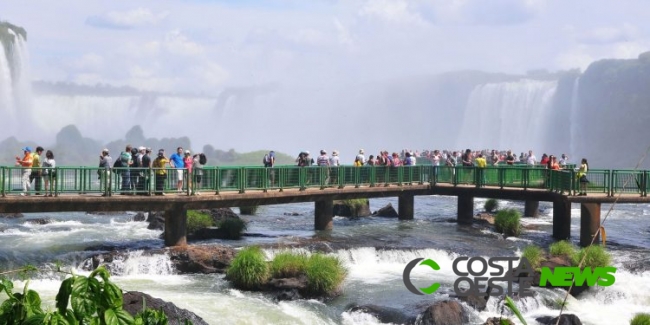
(574, 117)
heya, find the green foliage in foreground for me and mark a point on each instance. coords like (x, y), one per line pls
(491, 205)
(248, 269)
(81, 300)
(562, 248)
(511, 305)
(355, 203)
(507, 222)
(287, 265)
(534, 255)
(198, 220)
(324, 273)
(233, 227)
(641, 319)
(596, 256)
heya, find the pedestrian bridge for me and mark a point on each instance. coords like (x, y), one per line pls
(82, 189)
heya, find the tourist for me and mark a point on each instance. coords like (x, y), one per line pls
(510, 158)
(554, 163)
(564, 161)
(26, 164)
(371, 161)
(396, 162)
(49, 173)
(36, 170)
(145, 175)
(544, 160)
(104, 171)
(360, 157)
(161, 173)
(495, 158)
(467, 158)
(582, 176)
(198, 161)
(135, 168)
(126, 160)
(187, 164)
(481, 163)
(531, 160)
(335, 162)
(176, 161)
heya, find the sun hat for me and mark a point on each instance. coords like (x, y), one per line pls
(28, 149)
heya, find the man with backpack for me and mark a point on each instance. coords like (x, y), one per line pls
(124, 162)
(269, 159)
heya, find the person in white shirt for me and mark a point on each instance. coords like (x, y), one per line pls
(531, 160)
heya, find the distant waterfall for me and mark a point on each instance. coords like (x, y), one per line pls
(15, 83)
(574, 118)
(508, 115)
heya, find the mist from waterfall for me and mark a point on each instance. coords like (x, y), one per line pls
(574, 117)
(15, 83)
(508, 115)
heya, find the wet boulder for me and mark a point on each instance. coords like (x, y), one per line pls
(565, 319)
(11, 215)
(133, 304)
(156, 221)
(139, 217)
(498, 321)
(352, 208)
(201, 259)
(447, 312)
(384, 314)
(388, 211)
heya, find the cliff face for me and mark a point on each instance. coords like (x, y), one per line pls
(614, 100)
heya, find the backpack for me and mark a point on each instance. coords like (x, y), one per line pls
(266, 160)
(125, 157)
(203, 159)
(117, 163)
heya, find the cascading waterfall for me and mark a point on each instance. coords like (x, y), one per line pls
(6, 85)
(15, 83)
(508, 115)
(22, 80)
(574, 117)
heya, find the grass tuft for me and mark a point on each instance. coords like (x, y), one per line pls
(324, 274)
(491, 205)
(597, 256)
(287, 265)
(248, 269)
(641, 319)
(507, 222)
(198, 220)
(562, 248)
(534, 255)
(233, 228)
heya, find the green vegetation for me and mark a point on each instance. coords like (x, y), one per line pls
(534, 255)
(507, 222)
(597, 256)
(198, 220)
(491, 205)
(641, 319)
(248, 210)
(324, 273)
(511, 305)
(233, 227)
(355, 204)
(248, 269)
(562, 248)
(287, 265)
(81, 300)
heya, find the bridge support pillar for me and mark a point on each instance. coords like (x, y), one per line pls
(176, 226)
(465, 210)
(531, 209)
(561, 220)
(324, 214)
(405, 206)
(589, 223)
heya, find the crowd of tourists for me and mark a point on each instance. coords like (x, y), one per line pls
(135, 164)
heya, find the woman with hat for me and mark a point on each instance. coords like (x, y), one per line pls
(26, 164)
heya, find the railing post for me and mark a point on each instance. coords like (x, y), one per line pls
(217, 180)
(242, 179)
(2, 171)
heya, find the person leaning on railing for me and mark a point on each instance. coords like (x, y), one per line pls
(104, 171)
(161, 173)
(26, 164)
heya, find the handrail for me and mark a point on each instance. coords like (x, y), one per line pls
(150, 181)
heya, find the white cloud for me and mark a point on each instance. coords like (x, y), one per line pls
(396, 11)
(177, 43)
(344, 36)
(90, 62)
(126, 19)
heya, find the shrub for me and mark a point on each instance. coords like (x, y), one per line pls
(641, 319)
(324, 274)
(248, 269)
(491, 205)
(562, 248)
(248, 210)
(198, 220)
(232, 227)
(287, 265)
(534, 255)
(507, 222)
(596, 256)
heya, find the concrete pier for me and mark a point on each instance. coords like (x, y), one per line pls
(465, 210)
(531, 209)
(176, 226)
(405, 206)
(323, 214)
(561, 220)
(589, 223)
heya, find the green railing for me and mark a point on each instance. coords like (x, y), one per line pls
(150, 181)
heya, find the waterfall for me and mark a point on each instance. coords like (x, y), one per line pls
(6, 85)
(22, 78)
(574, 118)
(15, 84)
(508, 115)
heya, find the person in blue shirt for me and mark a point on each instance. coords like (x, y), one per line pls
(176, 161)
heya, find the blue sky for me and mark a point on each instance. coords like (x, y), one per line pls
(207, 45)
